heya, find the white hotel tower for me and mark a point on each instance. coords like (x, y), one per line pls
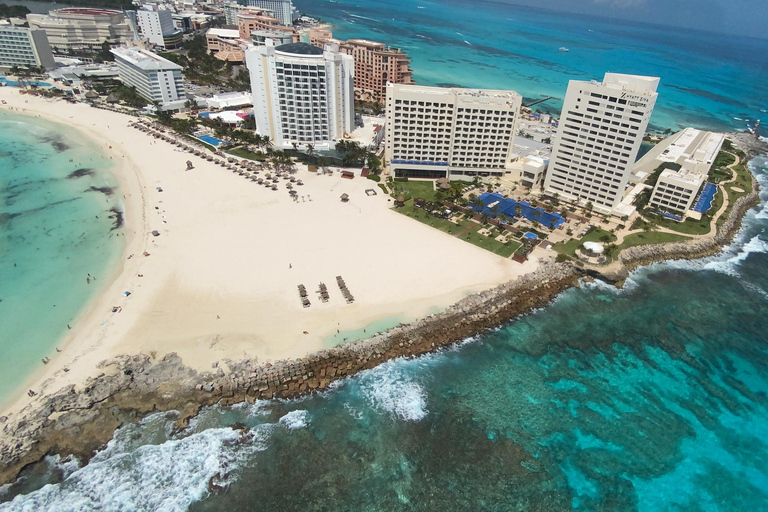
(455, 133)
(302, 94)
(600, 132)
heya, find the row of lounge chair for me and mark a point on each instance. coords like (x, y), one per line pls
(250, 170)
(303, 295)
(344, 290)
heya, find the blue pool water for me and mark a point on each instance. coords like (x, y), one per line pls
(531, 236)
(604, 401)
(509, 206)
(705, 199)
(213, 141)
(14, 83)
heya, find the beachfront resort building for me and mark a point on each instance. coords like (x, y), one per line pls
(376, 65)
(601, 128)
(282, 9)
(688, 157)
(22, 47)
(155, 78)
(157, 27)
(302, 94)
(434, 132)
(83, 28)
(249, 22)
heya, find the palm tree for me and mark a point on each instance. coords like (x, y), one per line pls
(518, 210)
(310, 149)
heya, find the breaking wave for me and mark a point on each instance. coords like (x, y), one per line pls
(391, 388)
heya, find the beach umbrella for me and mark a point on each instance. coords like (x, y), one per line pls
(91, 95)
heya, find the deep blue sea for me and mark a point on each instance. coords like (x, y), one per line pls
(650, 398)
(56, 229)
(709, 81)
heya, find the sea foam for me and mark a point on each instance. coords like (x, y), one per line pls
(391, 388)
(169, 476)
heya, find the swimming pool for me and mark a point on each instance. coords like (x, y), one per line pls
(496, 204)
(705, 199)
(14, 83)
(213, 141)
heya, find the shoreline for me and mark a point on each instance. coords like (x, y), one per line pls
(112, 272)
(80, 416)
(62, 423)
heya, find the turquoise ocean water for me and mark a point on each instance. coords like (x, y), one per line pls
(54, 183)
(651, 398)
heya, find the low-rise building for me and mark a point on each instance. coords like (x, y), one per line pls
(81, 28)
(250, 22)
(155, 78)
(301, 94)
(689, 154)
(435, 132)
(226, 44)
(22, 46)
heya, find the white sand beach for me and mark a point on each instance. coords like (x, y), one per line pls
(221, 279)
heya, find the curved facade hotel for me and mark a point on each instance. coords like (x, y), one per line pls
(433, 132)
(79, 28)
(302, 94)
(600, 132)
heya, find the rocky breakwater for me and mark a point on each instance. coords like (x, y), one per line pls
(692, 249)
(78, 420)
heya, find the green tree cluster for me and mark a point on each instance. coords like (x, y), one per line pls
(13, 11)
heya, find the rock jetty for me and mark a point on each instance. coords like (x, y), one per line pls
(78, 421)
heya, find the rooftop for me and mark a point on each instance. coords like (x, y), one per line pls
(231, 33)
(144, 59)
(299, 49)
(87, 11)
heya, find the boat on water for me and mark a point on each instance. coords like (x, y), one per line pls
(563, 49)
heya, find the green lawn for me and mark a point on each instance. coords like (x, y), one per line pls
(594, 235)
(651, 237)
(244, 153)
(687, 227)
(413, 189)
(487, 243)
(744, 182)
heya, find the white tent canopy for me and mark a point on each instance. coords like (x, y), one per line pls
(594, 247)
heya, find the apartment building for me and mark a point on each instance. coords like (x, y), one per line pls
(375, 64)
(155, 78)
(21, 46)
(81, 28)
(282, 9)
(158, 28)
(226, 44)
(601, 128)
(301, 94)
(434, 132)
(250, 22)
(691, 153)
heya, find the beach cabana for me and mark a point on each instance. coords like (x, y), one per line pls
(344, 197)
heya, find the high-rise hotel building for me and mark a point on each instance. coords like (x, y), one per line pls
(301, 93)
(433, 132)
(600, 132)
(155, 78)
